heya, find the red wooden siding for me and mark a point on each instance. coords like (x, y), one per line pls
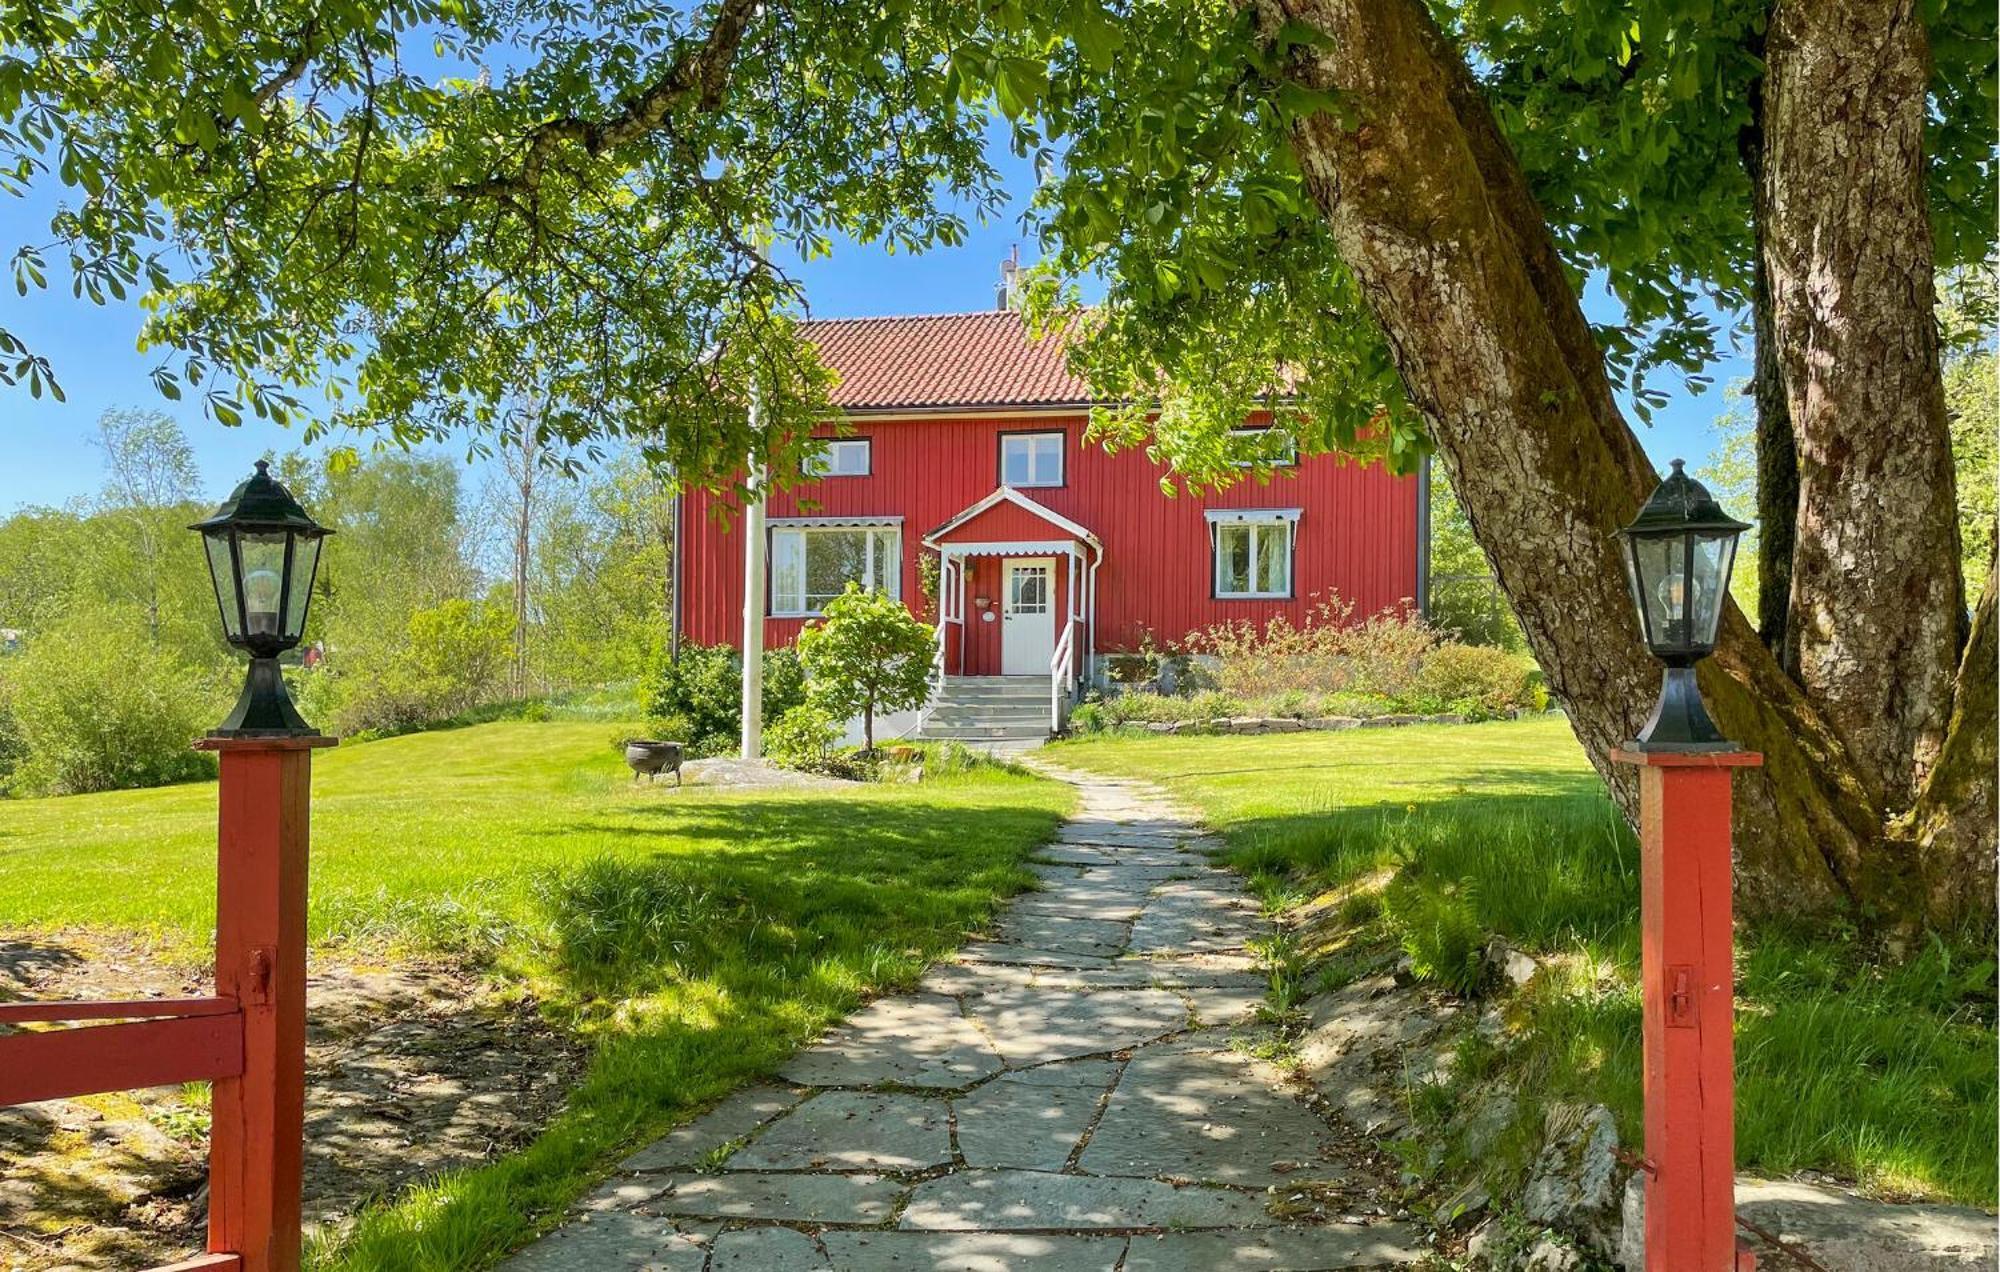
(1356, 538)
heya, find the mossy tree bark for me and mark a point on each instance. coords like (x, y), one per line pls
(1434, 216)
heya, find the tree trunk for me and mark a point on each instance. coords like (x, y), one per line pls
(1777, 452)
(1434, 217)
(1952, 827)
(1877, 609)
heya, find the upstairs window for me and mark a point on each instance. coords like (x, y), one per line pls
(1252, 446)
(1031, 459)
(1253, 553)
(841, 457)
(810, 565)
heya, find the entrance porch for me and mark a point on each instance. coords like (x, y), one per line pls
(1017, 585)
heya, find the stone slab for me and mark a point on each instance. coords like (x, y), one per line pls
(1842, 1232)
(1036, 1025)
(919, 1040)
(1301, 1249)
(854, 1130)
(1025, 1125)
(1193, 916)
(1215, 1005)
(1104, 938)
(1094, 1073)
(767, 1250)
(972, 1252)
(1012, 1200)
(616, 1241)
(1076, 904)
(855, 1199)
(1213, 1116)
(734, 1118)
(1029, 955)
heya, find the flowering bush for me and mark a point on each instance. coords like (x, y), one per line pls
(1328, 653)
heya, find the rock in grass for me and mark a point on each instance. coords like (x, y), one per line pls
(1577, 1185)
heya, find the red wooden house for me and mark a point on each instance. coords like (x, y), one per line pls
(963, 439)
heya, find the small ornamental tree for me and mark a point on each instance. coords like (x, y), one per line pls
(868, 654)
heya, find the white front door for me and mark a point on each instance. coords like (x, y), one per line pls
(1027, 616)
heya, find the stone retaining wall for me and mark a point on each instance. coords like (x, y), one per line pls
(1286, 724)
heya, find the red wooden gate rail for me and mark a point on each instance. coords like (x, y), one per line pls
(248, 1039)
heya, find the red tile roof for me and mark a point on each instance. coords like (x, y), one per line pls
(943, 361)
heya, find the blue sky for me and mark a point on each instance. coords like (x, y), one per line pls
(50, 458)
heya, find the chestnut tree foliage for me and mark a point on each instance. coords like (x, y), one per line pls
(1378, 214)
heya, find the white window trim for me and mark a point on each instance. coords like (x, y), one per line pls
(1062, 459)
(818, 466)
(1262, 518)
(1290, 458)
(805, 527)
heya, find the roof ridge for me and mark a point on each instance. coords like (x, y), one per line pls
(963, 313)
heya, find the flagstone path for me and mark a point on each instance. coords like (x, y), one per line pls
(1063, 1097)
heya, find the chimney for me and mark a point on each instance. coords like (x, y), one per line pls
(1009, 291)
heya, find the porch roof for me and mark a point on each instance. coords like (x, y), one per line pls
(959, 534)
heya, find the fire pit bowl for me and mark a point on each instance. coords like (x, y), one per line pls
(651, 758)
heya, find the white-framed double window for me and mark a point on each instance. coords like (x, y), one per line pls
(841, 457)
(1252, 446)
(1031, 459)
(1254, 555)
(811, 564)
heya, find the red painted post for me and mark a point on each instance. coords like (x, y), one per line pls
(256, 1142)
(1687, 971)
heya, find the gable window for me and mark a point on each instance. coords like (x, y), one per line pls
(1271, 446)
(1031, 459)
(1253, 552)
(812, 564)
(841, 457)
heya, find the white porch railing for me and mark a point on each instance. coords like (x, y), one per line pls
(936, 678)
(1062, 677)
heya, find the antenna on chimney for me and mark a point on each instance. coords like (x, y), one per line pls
(1010, 279)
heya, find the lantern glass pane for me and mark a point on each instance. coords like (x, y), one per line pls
(1663, 596)
(305, 562)
(222, 572)
(1713, 556)
(263, 555)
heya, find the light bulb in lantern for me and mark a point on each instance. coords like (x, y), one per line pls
(262, 590)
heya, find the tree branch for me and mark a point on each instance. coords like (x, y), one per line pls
(699, 74)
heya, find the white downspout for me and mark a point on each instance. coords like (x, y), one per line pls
(753, 597)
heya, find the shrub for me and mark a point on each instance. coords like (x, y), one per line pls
(1084, 717)
(1481, 677)
(802, 738)
(702, 694)
(96, 708)
(453, 657)
(869, 654)
(1329, 652)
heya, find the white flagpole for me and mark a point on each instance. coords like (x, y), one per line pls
(753, 597)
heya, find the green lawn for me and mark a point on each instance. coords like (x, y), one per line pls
(696, 937)
(1879, 1069)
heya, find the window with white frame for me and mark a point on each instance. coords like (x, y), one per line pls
(1252, 446)
(840, 457)
(810, 565)
(1031, 459)
(1253, 553)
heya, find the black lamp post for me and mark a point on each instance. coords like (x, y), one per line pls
(1679, 551)
(263, 551)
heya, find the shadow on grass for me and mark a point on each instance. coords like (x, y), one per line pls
(701, 943)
